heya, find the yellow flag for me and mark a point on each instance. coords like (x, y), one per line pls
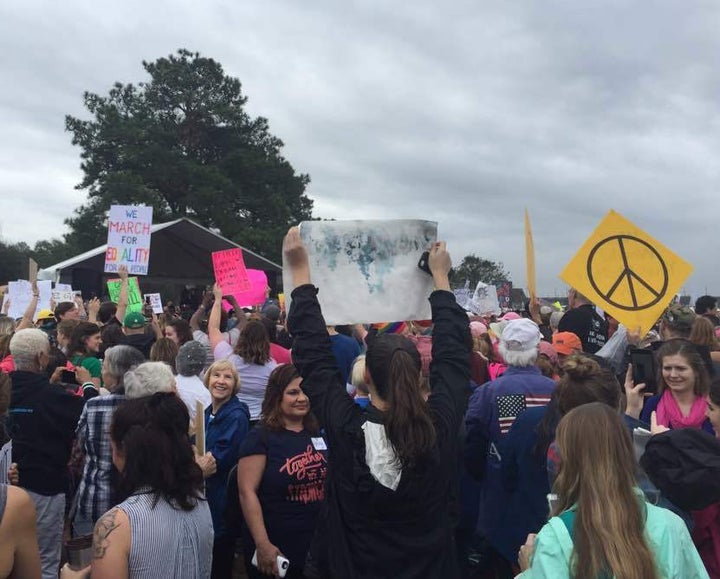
(530, 259)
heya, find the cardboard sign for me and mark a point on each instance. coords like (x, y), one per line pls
(626, 272)
(155, 302)
(199, 428)
(135, 299)
(230, 272)
(129, 228)
(32, 270)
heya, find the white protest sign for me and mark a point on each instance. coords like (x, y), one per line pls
(19, 294)
(129, 228)
(45, 290)
(60, 296)
(484, 300)
(367, 271)
(155, 302)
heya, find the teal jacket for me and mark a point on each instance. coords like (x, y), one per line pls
(675, 554)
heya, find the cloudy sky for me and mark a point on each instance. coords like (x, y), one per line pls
(460, 111)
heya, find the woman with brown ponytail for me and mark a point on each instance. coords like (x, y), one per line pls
(601, 527)
(393, 465)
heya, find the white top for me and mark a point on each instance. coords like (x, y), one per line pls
(230, 337)
(191, 390)
(380, 456)
(253, 378)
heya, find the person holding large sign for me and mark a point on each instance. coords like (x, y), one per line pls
(582, 320)
(393, 464)
(129, 234)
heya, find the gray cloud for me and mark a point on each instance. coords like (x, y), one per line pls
(462, 112)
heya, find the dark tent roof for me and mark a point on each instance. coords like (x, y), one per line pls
(180, 253)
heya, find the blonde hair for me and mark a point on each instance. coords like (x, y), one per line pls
(220, 366)
(597, 476)
(357, 376)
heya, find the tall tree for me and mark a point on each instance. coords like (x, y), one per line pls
(184, 144)
(474, 269)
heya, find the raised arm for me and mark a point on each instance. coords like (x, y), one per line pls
(93, 309)
(200, 312)
(29, 314)
(124, 291)
(214, 333)
(450, 366)
(312, 350)
(237, 308)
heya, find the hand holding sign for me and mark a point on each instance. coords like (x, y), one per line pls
(230, 272)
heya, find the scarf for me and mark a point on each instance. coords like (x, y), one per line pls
(670, 415)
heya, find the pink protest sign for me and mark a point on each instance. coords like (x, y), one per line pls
(256, 294)
(230, 272)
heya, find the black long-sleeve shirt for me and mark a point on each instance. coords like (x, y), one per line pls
(373, 531)
(43, 418)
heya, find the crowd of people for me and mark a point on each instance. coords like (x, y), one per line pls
(192, 443)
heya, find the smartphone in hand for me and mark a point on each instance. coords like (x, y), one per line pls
(644, 369)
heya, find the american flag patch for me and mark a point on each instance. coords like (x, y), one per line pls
(511, 406)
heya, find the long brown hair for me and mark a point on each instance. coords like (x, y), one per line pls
(703, 334)
(254, 344)
(597, 476)
(164, 350)
(394, 364)
(270, 414)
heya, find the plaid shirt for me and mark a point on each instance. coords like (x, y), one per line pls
(94, 494)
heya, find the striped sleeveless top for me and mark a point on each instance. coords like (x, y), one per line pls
(167, 542)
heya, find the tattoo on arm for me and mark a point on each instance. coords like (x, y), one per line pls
(105, 525)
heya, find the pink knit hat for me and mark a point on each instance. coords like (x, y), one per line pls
(477, 329)
(511, 316)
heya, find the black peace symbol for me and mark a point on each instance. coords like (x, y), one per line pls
(628, 275)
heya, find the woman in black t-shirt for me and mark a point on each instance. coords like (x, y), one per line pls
(281, 477)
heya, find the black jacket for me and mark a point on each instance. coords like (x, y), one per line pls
(685, 465)
(42, 422)
(372, 531)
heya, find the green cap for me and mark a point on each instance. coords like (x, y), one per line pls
(134, 320)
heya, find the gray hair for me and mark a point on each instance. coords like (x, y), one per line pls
(147, 379)
(555, 318)
(121, 359)
(519, 358)
(191, 358)
(25, 346)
